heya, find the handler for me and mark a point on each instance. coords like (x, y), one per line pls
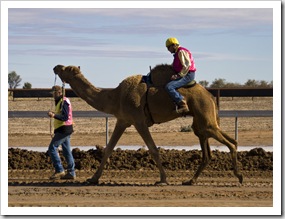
(63, 128)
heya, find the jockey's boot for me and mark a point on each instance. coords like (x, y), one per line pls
(182, 107)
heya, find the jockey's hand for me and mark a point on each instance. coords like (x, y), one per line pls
(174, 77)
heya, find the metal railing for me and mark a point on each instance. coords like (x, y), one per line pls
(216, 92)
(222, 113)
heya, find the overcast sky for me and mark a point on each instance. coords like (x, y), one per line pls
(110, 44)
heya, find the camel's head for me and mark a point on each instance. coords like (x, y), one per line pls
(66, 73)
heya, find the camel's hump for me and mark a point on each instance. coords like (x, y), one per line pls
(161, 74)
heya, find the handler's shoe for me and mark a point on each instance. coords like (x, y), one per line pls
(57, 175)
(68, 176)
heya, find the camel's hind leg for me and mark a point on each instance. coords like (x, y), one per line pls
(232, 145)
(204, 134)
(118, 131)
(206, 157)
(146, 136)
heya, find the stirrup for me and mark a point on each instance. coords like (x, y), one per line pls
(184, 110)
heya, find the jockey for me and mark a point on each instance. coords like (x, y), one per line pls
(184, 66)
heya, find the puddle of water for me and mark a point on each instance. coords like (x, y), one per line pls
(136, 147)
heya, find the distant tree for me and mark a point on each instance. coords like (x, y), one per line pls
(218, 83)
(14, 80)
(254, 83)
(27, 85)
(204, 83)
(251, 83)
(263, 83)
(232, 85)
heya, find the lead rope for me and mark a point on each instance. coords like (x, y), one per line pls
(52, 107)
(63, 94)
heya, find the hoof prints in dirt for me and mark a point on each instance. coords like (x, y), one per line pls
(258, 181)
(77, 184)
(255, 159)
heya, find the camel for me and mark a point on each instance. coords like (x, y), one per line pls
(135, 103)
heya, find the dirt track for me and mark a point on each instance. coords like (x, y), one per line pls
(129, 179)
(130, 176)
(136, 189)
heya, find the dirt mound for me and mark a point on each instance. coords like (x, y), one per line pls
(253, 160)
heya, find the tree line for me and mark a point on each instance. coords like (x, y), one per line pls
(14, 81)
(250, 83)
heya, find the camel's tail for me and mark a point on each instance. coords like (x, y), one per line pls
(230, 139)
(217, 117)
(217, 110)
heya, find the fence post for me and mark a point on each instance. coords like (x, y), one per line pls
(107, 131)
(236, 128)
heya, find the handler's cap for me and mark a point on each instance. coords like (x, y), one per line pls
(56, 88)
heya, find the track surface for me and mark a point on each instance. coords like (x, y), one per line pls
(130, 176)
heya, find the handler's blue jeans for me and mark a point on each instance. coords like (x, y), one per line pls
(64, 141)
(175, 84)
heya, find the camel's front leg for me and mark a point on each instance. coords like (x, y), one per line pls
(146, 136)
(118, 131)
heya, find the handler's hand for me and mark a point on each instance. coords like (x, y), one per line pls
(51, 114)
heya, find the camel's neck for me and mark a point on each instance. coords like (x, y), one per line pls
(101, 99)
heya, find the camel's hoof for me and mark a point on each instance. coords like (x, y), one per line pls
(161, 183)
(188, 183)
(240, 178)
(92, 181)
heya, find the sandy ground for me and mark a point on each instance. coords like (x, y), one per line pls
(126, 188)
